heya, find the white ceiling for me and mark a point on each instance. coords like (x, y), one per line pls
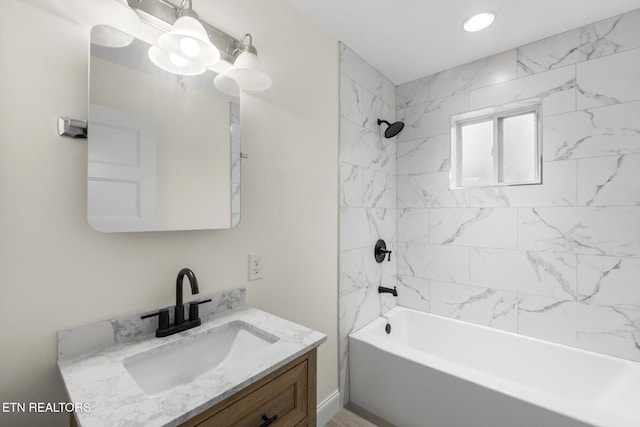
(409, 39)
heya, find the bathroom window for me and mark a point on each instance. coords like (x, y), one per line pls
(497, 146)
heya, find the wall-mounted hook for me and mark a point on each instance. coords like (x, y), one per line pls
(380, 251)
(72, 127)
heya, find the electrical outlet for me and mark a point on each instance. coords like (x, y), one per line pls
(255, 266)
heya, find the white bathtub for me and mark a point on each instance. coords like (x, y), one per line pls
(433, 371)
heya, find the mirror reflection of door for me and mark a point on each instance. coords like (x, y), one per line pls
(121, 173)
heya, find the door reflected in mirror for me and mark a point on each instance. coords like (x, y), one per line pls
(163, 149)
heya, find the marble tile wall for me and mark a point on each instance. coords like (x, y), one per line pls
(236, 159)
(558, 261)
(367, 198)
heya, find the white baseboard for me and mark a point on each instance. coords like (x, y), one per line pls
(328, 408)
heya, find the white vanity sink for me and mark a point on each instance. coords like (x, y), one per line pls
(179, 363)
(130, 378)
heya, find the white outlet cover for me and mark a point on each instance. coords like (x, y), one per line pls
(255, 266)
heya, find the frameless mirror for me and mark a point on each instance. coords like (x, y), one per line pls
(163, 149)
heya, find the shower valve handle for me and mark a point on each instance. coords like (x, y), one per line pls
(380, 251)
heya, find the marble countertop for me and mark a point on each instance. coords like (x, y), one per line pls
(90, 361)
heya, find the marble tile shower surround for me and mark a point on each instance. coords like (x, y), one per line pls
(558, 261)
(367, 198)
(96, 336)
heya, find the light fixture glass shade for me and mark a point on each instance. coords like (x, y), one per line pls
(163, 59)
(247, 72)
(226, 85)
(189, 39)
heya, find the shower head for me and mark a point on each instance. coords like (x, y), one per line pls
(393, 129)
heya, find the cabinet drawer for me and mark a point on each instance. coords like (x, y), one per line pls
(285, 397)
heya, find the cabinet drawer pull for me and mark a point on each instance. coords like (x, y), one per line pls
(268, 421)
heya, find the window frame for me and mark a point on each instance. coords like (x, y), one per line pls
(497, 115)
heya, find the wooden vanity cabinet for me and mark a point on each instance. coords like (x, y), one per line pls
(284, 398)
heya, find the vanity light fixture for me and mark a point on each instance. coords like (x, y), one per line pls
(191, 45)
(188, 40)
(247, 68)
(186, 48)
(479, 22)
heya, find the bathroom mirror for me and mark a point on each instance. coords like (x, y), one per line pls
(163, 149)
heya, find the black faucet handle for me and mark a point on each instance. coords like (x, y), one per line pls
(156, 313)
(193, 309)
(163, 317)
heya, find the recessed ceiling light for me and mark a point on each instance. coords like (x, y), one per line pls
(479, 22)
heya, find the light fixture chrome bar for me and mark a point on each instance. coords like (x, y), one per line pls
(161, 14)
(72, 127)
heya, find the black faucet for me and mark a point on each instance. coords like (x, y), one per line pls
(179, 310)
(383, 290)
(179, 325)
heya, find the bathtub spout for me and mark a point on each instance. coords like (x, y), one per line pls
(383, 290)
